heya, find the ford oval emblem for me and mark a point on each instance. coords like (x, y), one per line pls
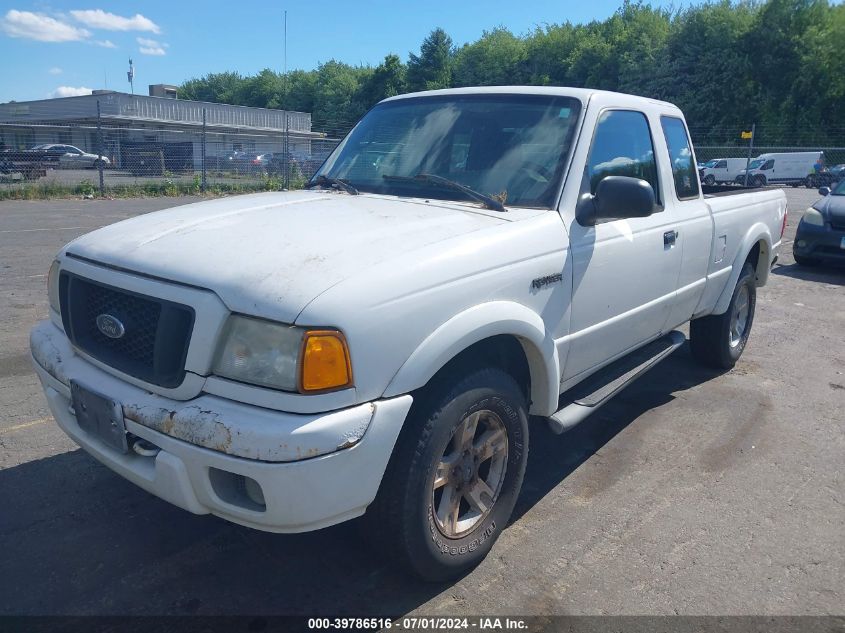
(110, 326)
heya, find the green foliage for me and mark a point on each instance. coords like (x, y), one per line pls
(779, 63)
(432, 68)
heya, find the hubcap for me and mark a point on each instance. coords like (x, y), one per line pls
(739, 318)
(470, 473)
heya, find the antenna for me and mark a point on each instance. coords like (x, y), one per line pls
(130, 75)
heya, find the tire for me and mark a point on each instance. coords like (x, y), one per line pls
(805, 261)
(810, 182)
(709, 180)
(408, 520)
(715, 340)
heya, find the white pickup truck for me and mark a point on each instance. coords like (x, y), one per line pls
(375, 344)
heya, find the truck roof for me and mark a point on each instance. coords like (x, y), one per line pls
(582, 94)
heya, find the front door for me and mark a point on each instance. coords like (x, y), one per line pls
(625, 272)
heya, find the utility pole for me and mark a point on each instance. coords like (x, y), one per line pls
(130, 75)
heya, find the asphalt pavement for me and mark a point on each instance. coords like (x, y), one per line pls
(692, 492)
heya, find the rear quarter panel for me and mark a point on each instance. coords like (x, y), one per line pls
(739, 222)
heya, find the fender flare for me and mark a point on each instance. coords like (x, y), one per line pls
(758, 232)
(476, 324)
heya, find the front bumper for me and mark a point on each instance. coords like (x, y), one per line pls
(313, 470)
(819, 242)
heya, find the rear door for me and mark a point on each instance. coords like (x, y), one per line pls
(693, 225)
(624, 271)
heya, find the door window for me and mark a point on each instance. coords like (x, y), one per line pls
(622, 147)
(768, 164)
(680, 154)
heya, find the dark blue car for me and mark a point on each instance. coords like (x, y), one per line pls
(821, 232)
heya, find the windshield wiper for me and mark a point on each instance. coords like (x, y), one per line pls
(488, 201)
(332, 182)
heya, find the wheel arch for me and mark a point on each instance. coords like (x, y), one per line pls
(757, 249)
(501, 332)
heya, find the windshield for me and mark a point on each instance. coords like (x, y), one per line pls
(711, 163)
(839, 189)
(512, 147)
(756, 163)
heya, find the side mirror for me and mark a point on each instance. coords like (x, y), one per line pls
(824, 191)
(616, 198)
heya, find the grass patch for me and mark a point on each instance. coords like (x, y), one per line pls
(166, 187)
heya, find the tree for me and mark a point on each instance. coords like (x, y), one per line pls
(432, 68)
(497, 59)
(388, 80)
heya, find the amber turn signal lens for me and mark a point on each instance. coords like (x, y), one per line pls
(325, 361)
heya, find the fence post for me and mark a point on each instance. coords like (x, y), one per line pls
(286, 145)
(750, 150)
(203, 152)
(100, 151)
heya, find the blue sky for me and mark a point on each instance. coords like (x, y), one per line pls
(59, 48)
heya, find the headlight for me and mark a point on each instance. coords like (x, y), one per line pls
(283, 356)
(813, 216)
(53, 286)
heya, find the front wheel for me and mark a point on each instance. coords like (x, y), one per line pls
(719, 340)
(454, 475)
(709, 180)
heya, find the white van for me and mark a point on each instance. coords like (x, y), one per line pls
(792, 168)
(721, 170)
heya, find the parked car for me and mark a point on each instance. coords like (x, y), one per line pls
(721, 170)
(223, 161)
(838, 171)
(21, 165)
(278, 162)
(70, 157)
(820, 236)
(376, 343)
(788, 168)
(251, 162)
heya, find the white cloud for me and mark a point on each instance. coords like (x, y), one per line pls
(40, 27)
(70, 91)
(55, 70)
(106, 43)
(151, 47)
(99, 19)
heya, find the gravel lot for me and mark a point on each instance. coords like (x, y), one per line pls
(692, 492)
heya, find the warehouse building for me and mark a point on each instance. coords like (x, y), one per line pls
(175, 127)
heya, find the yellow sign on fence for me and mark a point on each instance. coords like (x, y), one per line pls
(746, 134)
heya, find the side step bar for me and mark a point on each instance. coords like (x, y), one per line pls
(593, 392)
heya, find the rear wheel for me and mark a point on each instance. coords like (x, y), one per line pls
(454, 475)
(810, 182)
(719, 340)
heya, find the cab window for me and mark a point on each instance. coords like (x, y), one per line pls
(768, 164)
(680, 154)
(622, 147)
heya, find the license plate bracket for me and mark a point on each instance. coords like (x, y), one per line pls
(100, 416)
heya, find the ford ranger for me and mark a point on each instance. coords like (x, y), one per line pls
(375, 344)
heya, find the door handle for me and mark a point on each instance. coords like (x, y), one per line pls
(669, 238)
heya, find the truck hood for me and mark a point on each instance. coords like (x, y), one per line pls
(270, 254)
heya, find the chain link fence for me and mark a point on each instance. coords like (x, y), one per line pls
(101, 157)
(271, 150)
